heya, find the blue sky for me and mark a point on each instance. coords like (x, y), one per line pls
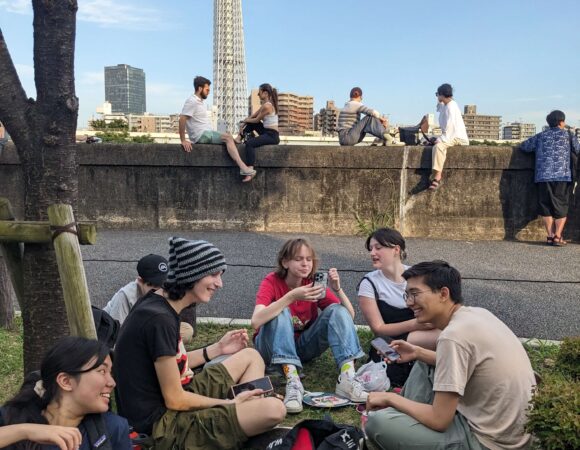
(515, 58)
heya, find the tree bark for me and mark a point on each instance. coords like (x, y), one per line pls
(7, 297)
(43, 131)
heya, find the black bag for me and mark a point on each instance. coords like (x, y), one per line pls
(413, 135)
(107, 327)
(320, 435)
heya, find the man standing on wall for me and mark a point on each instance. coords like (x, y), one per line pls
(553, 173)
(452, 129)
(352, 129)
(195, 119)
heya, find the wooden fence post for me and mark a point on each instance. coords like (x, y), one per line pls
(72, 271)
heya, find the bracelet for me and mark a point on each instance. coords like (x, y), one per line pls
(337, 290)
(205, 355)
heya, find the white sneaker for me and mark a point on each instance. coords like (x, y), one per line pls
(352, 389)
(293, 397)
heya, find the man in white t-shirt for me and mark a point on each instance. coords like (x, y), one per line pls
(195, 119)
(452, 128)
(478, 391)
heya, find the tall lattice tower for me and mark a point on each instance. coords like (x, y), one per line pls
(229, 63)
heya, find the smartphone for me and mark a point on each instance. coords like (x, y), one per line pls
(383, 347)
(321, 279)
(265, 384)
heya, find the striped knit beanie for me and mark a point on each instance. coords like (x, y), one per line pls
(190, 261)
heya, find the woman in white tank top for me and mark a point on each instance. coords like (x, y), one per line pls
(264, 123)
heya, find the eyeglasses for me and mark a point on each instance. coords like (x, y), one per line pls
(437, 94)
(412, 295)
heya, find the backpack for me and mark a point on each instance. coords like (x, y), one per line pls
(107, 327)
(320, 435)
(94, 424)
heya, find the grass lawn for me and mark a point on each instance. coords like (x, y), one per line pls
(320, 374)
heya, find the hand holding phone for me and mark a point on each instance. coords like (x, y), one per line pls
(388, 352)
(265, 384)
(321, 280)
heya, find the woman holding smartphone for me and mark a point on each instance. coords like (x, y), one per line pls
(381, 301)
(289, 330)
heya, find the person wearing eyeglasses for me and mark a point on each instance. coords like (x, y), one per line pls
(452, 128)
(472, 392)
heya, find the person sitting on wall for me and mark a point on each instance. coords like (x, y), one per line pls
(289, 330)
(382, 300)
(195, 119)
(553, 174)
(151, 274)
(72, 389)
(264, 122)
(452, 129)
(472, 392)
(352, 129)
(157, 390)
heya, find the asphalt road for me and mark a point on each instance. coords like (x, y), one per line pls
(534, 289)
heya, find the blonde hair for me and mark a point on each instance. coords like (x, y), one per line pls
(289, 251)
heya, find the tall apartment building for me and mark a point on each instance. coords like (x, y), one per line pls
(125, 89)
(295, 113)
(518, 130)
(327, 119)
(481, 126)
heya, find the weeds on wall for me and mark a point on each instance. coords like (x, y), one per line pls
(374, 218)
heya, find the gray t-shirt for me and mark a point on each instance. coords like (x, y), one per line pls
(122, 302)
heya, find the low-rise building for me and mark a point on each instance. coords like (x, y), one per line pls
(480, 126)
(518, 131)
(326, 120)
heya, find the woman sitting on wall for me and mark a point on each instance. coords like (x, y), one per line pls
(265, 123)
(73, 389)
(381, 299)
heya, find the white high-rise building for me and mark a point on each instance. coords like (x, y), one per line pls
(229, 63)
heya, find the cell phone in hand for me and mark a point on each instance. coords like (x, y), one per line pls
(383, 347)
(321, 279)
(265, 384)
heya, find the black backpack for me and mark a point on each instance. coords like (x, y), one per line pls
(107, 327)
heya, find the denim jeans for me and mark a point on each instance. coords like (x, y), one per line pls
(368, 124)
(333, 328)
(267, 136)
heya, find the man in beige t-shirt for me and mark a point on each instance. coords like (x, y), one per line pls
(477, 393)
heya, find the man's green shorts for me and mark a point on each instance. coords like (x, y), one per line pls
(216, 427)
(210, 137)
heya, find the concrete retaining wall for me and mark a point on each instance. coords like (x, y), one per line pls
(488, 192)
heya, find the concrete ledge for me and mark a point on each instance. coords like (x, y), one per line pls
(488, 192)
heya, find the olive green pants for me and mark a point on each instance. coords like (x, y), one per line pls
(390, 429)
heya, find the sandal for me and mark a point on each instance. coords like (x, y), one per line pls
(558, 241)
(549, 240)
(435, 184)
(251, 173)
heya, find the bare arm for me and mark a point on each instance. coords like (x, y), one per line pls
(410, 352)
(184, 142)
(378, 326)
(335, 284)
(65, 438)
(437, 416)
(262, 112)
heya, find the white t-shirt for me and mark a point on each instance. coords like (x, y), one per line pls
(482, 360)
(198, 119)
(451, 122)
(388, 291)
(123, 301)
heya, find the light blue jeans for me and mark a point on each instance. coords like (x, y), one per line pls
(333, 328)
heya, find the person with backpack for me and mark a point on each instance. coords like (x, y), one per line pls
(72, 389)
(553, 150)
(382, 302)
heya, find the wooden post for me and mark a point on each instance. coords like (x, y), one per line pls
(72, 272)
(30, 232)
(12, 254)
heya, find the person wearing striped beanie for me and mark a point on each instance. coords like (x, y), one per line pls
(166, 400)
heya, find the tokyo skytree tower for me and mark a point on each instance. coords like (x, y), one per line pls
(229, 63)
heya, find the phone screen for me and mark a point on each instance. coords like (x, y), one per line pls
(261, 383)
(385, 349)
(321, 279)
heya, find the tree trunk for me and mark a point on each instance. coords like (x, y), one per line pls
(7, 297)
(44, 134)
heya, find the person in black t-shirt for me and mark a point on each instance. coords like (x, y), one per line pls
(157, 390)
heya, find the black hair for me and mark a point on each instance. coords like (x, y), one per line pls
(69, 355)
(555, 117)
(387, 237)
(272, 92)
(199, 82)
(438, 274)
(176, 291)
(446, 90)
(355, 92)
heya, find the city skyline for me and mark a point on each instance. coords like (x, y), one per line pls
(500, 56)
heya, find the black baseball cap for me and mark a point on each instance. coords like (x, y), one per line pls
(153, 269)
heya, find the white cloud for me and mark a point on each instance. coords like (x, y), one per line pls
(17, 6)
(112, 14)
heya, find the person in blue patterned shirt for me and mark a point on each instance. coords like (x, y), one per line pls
(553, 173)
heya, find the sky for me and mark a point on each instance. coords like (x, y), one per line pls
(516, 58)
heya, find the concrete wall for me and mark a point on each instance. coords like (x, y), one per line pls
(488, 192)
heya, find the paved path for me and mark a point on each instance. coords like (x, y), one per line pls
(533, 288)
